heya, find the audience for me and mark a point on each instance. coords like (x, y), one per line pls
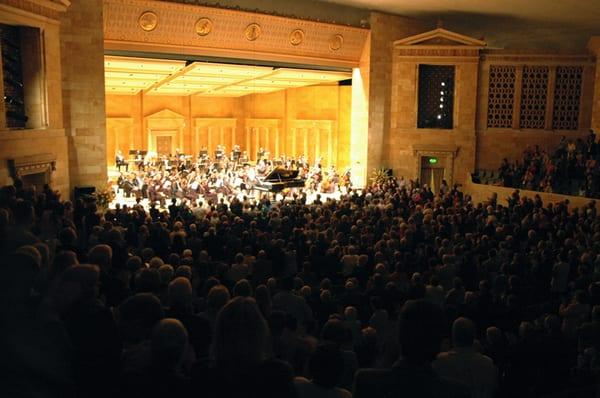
(572, 169)
(358, 296)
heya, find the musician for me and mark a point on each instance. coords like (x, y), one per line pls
(346, 181)
(261, 167)
(170, 177)
(203, 154)
(139, 161)
(136, 184)
(236, 153)
(120, 161)
(219, 152)
(260, 154)
(124, 182)
(244, 159)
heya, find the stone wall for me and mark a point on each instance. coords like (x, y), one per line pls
(385, 29)
(407, 144)
(19, 144)
(493, 144)
(82, 53)
(48, 138)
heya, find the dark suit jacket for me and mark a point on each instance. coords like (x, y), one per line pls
(405, 381)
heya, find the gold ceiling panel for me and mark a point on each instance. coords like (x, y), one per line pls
(280, 83)
(248, 89)
(216, 80)
(126, 75)
(126, 83)
(230, 94)
(310, 75)
(149, 65)
(122, 90)
(131, 75)
(228, 70)
(134, 76)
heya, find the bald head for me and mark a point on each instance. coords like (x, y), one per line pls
(169, 341)
(180, 292)
(463, 332)
(100, 255)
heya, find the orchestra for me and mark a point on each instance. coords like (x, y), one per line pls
(160, 178)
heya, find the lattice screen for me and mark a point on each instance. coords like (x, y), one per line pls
(436, 96)
(11, 63)
(501, 96)
(567, 97)
(534, 91)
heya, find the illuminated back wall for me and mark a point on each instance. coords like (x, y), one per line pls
(312, 121)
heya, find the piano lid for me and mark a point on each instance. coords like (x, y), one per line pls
(280, 174)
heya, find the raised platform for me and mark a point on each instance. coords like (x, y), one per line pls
(121, 199)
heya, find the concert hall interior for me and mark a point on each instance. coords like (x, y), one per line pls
(299, 198)
(342, 85)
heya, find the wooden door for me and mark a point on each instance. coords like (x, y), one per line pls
(163, 145)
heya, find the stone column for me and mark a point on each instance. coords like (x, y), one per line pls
(210, 147)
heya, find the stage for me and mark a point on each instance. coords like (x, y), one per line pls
(122, 199)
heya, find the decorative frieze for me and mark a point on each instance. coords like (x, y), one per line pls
(175, 27)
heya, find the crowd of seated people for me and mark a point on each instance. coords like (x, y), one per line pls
(572, 169)
(388, 291)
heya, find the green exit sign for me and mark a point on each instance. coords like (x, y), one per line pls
(433, 160)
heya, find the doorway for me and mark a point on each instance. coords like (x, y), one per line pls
(163, 145)
(433, 171)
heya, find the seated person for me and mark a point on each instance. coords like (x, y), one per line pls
(120, 161)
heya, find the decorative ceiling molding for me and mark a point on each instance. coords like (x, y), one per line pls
(176, 32)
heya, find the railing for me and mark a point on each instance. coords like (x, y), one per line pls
(482, 193)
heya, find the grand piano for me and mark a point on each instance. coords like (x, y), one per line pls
(278, 180)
